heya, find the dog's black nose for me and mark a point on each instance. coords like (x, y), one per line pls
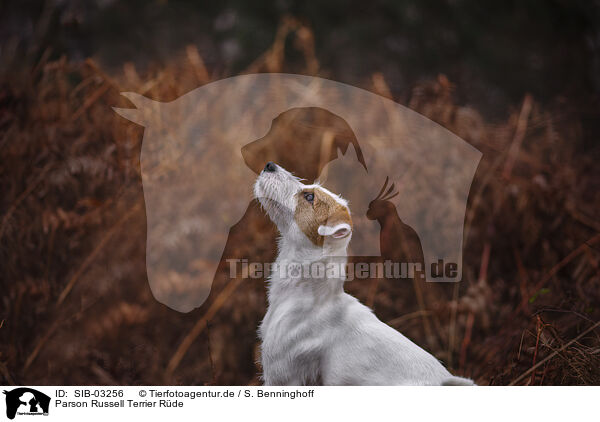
(270, 167)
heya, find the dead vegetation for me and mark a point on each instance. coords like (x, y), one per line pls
(76, 307)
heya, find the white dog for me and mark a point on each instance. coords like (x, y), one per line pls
(314, 333)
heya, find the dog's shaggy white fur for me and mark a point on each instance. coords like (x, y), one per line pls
(313, 332)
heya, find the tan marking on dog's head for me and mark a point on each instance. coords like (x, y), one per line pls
(323, 210)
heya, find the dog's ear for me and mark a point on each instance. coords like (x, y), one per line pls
(336, 231)
(338, 224)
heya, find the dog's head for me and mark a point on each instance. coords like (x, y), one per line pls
(309, 216)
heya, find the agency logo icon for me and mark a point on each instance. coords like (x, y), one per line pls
(26, 401)
(404, 175)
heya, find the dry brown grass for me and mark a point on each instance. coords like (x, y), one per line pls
(76, 307)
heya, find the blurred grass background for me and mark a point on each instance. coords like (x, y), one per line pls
(518, 80)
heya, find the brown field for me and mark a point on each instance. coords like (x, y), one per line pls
(75, 302)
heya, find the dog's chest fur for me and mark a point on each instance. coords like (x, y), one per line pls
(294, 333)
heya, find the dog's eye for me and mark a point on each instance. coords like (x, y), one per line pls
(310, 197)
